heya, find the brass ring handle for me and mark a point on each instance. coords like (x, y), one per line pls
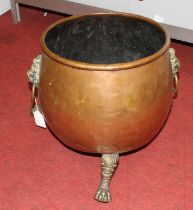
(34, 77)
(175, 64)
(33, 95)
(176, 83)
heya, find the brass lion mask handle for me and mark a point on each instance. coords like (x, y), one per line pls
(34, 76)
(175, 63)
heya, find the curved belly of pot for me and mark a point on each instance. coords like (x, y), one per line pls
(106, 111)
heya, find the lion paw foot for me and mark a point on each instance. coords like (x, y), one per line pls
(103, 195)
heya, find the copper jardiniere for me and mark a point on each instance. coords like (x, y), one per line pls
(105, 84)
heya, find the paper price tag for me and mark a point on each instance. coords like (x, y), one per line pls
(38, 117)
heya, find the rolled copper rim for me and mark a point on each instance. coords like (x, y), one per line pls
(105, 67)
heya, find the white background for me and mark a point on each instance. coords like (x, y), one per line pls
(174, 12)
(4, 6)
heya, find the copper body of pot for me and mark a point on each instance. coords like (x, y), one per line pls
(106, 81)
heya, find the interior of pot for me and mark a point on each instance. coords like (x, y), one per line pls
(105, 39)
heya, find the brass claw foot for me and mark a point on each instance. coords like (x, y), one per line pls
(108, 166)
(103, 195)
